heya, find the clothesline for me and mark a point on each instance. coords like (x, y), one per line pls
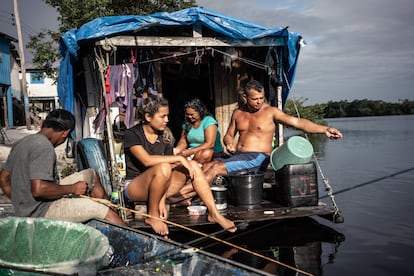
(254, 63)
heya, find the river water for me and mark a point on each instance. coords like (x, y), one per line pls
(371, 170)
(376, 156)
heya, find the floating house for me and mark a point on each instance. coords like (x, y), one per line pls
(185, 54)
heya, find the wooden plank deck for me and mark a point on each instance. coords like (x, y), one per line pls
(266, 212)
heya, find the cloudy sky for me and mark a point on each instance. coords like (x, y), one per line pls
(35, 15)
(356, 49)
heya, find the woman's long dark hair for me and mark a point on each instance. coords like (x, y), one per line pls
(199, 107)
(150, 106)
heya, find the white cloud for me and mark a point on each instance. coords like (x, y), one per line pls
(356, 49)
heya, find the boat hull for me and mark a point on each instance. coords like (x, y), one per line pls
(137, 252)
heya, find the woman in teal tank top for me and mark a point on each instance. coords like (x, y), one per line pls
(200, 138)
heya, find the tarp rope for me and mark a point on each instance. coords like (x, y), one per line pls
(251, 62)
(110, 204)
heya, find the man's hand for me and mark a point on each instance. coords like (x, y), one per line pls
(333, 133)
(5, 182)
(80, 188)
(230, 148)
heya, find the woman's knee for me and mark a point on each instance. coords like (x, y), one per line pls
(163, 170)
(204, 155)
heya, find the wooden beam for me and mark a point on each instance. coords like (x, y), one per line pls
(176, 41)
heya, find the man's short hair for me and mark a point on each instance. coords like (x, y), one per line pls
(59, 119)
(253, 84)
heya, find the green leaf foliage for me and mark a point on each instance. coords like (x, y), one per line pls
(365, 107)
(356, 108)
(44, 45)
(295, 107)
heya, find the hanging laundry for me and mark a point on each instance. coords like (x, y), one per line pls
(148, 70)
(99, 119)
(273, 65)
(138, 85)
(91, 81)
(128, 103)
(108, 80)
(231, 54)
(108, 96)
(122, 89)
(145, 77)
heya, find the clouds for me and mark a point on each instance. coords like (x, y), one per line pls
(355, 49)
(35, 15)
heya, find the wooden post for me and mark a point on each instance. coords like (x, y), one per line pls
(5, 107)
(22, 64)
(280, 106)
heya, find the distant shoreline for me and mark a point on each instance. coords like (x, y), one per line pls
(345, 109)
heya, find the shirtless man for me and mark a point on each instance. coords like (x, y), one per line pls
(256, 122)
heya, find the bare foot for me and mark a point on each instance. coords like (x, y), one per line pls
(129, 214)
(230, 253)
(163, 210)
(225, 223)
(158, 226)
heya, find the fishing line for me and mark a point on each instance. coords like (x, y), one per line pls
(110, 204)
(371, 181)
(337, 217)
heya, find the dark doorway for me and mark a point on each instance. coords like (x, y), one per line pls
(183, 82)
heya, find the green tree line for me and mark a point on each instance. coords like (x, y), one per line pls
(355, 108)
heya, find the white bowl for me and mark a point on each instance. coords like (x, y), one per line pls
(196, 210)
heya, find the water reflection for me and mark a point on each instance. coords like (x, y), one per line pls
(288, 246)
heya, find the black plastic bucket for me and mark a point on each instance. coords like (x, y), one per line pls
(246, 189)
(220, 194)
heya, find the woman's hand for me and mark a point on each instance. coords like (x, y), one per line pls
(176, 151)
(188, 166)
(185, 153)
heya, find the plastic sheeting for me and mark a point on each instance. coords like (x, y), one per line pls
(52, 246)
(112, 25)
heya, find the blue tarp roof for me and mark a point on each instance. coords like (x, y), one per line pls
(100, 28)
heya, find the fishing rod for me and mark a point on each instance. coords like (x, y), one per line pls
(238, 235)
(110, 204)
(337, 216)
(175, 251)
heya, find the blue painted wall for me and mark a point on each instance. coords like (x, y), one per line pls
(4, 61)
